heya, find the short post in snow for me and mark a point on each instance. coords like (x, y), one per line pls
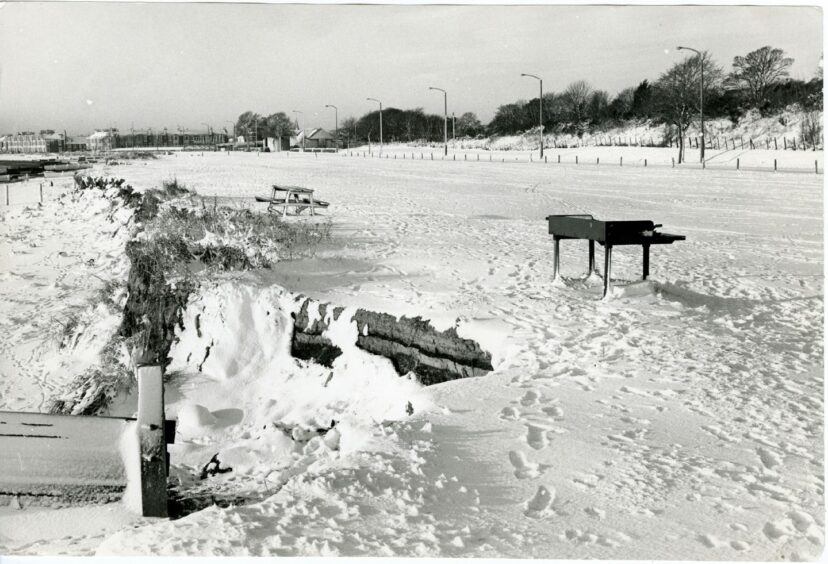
(559, 159)
(597, 160)
(621, 161)
(674, 161)
(576, 159)
(645, 163)
(816, 167)
(546, 159)
(774, 165)
(7, 193)
(41, 192)
(153, 447)
(737, 164)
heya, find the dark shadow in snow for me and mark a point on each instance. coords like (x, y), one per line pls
(228, 417)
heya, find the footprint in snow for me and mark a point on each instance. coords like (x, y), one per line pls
(523, 468)
(769, 458)
(536, 437)
(541, 503)
(509, 414)
(553, 411)
(531, 397)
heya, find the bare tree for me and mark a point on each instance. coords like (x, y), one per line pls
(677, 93)
(757, 71)
(576, 99)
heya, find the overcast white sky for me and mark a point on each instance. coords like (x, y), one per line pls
(78, 66)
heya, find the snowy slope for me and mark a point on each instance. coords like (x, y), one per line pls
(680, 419)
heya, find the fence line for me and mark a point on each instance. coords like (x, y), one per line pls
(646, 164)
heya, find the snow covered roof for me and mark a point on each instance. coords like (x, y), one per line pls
(315, 133)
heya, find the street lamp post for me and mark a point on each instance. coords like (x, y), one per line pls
(540, 105)
(380, 116)
(701, 94)
(210, 134)
(445, 117)
(336, 124)
(303, 130)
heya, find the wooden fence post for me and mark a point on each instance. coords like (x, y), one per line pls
(774, 165)
(816, 167)
(737, 164)
(775, 146)
(645, 163)
(559, 159)
(576, 159)
(621, 161)
(151, 440)
(41, 192)
(597, 160)
(7, 193)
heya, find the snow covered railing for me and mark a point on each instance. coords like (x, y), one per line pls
(91, 459)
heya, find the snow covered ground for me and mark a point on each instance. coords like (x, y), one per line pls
(682, 418)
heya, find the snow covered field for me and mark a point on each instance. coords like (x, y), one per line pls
(682, 418)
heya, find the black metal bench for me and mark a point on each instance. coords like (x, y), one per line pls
(608, 234)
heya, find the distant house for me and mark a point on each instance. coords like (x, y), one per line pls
(55, 142)
(100, 141)
(25, 142)
(77, 144)
(313, 139)
(274, 144)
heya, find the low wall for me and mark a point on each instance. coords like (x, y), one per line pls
(411, 344)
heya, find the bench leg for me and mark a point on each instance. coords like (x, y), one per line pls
(607, 268)
(591, 268)
(646, 253)
(556, 259)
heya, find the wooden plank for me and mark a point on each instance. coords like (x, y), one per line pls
(74, 458)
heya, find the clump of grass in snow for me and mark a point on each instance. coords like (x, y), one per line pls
(91, 392)
(262, 238)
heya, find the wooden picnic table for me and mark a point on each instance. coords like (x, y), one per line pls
(296, 197)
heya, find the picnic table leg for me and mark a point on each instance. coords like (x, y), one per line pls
(312, 211)
(591, 258)
(646, 253)
(607, 268)
(556, 259)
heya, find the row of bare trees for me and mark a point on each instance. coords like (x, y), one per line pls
(759, 80)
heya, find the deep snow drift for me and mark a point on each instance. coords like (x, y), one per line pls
(683, 418)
